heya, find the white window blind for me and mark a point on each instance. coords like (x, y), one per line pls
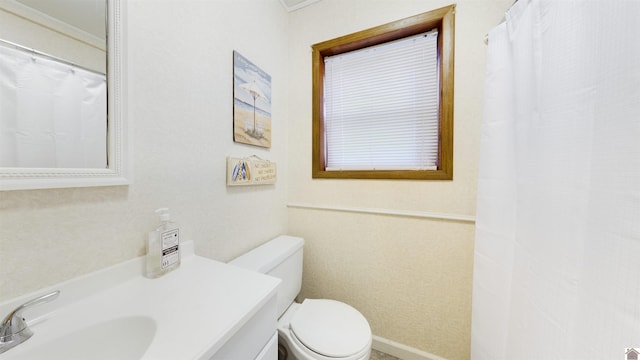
(381, 106)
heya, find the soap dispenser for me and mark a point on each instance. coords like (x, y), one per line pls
(163, 246)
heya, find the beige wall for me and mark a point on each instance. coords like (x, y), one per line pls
(180, 107)
(411, 277)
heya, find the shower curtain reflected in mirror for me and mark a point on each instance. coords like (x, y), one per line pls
(52, 114)
(557, 252)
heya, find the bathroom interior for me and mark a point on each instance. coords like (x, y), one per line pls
(412, 256)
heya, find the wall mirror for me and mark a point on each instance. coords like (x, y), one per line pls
(62, 102)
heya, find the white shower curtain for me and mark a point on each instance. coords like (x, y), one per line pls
(557, 253)
(52, 115)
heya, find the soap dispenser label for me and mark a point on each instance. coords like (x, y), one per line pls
(170, 247)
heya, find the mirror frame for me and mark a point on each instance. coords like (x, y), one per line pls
(119, 164)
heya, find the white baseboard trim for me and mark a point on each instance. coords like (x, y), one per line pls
(401, 351)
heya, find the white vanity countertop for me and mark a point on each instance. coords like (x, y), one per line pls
(196, 308)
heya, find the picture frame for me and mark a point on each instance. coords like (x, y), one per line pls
(251, 103)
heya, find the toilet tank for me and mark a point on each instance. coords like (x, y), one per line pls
(280, 258)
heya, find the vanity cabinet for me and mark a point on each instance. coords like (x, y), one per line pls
(257, 339)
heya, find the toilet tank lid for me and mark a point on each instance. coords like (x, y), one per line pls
(268, 255)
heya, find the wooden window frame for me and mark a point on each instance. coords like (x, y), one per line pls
(442, 19)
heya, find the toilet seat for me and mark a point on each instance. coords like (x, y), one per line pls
(331, 329)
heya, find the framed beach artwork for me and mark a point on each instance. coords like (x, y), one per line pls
(251, 103)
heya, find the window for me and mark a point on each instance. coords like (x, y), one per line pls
(383, 101)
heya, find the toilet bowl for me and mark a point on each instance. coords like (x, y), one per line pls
(325, 329)
(316, 329)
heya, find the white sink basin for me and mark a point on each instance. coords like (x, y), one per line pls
(193, 312)
(123, 338)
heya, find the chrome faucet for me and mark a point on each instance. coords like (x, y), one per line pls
(14, 330)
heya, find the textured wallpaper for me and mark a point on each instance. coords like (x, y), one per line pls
(410, 277)
(179, 100)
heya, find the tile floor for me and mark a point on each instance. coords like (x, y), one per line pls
(377, 355)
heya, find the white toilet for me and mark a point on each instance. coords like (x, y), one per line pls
(317, 329)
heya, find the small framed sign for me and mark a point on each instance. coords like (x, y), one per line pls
(250, 171)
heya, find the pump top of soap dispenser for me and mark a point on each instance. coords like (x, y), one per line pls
(164, 214)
